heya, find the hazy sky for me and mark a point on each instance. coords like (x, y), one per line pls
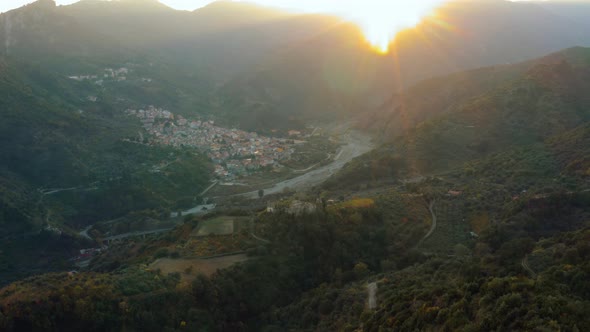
(379, 19)
(318, 5)
(308, 5)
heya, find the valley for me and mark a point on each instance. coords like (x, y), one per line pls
(352, 145)
(241, 167)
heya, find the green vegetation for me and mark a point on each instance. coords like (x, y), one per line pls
(473, 214)
(65, 164)
(317, 265)
(340, 244)
(53, 138)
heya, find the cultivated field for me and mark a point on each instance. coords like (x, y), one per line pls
(188, 268)
(224, 225)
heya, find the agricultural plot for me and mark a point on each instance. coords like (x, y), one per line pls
(189, 268)
(224, 225)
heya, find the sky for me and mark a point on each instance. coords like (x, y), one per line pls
(309, 5)
(380, 20)
(318, 5)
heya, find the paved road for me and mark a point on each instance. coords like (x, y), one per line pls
(131, 234)
(356, 145)
(209, 188)
(525, 265)
(197, 210)
(433, 226)
(372, 295)
(84, 232)
(59, 190)
(259, 238)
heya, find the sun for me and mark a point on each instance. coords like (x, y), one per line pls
(379, 36)
(381, 20)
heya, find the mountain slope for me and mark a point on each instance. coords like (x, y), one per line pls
(435, 97)
(54, 137)
(39, 32)
(271, 66)
(469, 34)
(336, 72)
(444, 124)
(547, 101)
(207, 40)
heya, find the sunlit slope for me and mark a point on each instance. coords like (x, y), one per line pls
(547, 100)
(541, 106)
(436, 96)
(470, 34)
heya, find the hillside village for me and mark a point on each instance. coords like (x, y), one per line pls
(111, 75)
(234, 152)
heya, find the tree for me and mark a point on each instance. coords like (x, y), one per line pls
(361, 270)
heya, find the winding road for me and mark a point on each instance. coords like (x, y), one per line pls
(433, 226)
(84, 232)
(355, 144)
(525, 265)
(140, 233)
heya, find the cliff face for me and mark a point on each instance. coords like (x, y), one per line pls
(18, 24)
(42, 33)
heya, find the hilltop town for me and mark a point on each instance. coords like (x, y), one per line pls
(234, 152)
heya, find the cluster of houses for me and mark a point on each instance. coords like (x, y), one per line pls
(85, 255)
(234, 152)
(118, 74)
(109, 74)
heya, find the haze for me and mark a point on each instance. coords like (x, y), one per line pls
(379, 20)
(259, 165)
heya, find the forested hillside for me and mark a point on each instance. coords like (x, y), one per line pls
(436, 229)
(471, 214)
(441, 124)
(54, 138)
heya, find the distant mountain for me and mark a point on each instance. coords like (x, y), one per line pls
(271, 66)
(469, 34)
(336, 73)
(39, 32)
(219, 40)
(325, 76)
(578, 11)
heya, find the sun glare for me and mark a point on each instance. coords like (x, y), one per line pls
(381, 20)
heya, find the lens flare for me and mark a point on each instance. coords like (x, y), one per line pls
(381, 20)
